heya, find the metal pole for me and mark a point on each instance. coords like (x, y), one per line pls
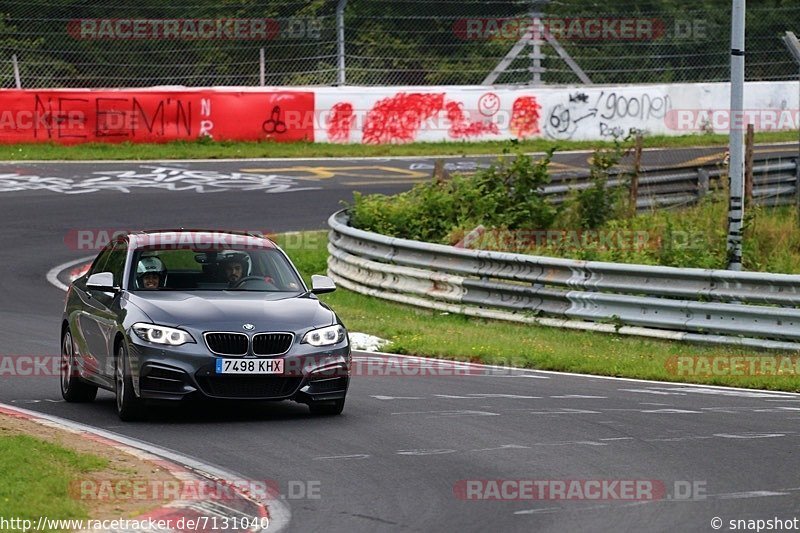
(341, 78)
(749, 141)
(736, 169)
(536, 42)
(15, 63)
(262, 71)
(791, 42)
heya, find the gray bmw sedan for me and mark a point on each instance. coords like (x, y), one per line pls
(174, 314)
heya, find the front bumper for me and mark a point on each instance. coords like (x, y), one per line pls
(175, 373)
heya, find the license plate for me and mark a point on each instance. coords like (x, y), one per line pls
(249, 366)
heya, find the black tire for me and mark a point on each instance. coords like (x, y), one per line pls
(331, 408)
(73, 388)
(129, 407)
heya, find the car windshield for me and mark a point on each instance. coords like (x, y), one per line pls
(263, 270)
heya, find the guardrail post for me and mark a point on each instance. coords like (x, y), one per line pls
(702, 183)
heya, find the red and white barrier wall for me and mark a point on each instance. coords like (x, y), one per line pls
(375, 115)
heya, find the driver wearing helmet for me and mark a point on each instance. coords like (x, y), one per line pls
(235, 267)
(151, 273)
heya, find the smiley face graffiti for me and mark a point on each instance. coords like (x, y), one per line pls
(489, 104)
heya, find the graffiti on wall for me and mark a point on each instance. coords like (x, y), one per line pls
(606, 114)
(402, 117)
(153, 116)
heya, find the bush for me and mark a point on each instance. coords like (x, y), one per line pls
(507, 195)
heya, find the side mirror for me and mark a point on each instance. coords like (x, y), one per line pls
(322, 284)
(102, 281)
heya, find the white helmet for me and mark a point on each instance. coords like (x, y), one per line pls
(151, 265)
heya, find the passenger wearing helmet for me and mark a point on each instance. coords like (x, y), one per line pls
(150, 273)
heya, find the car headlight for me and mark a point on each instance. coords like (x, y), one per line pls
(325, 336)
(161, 334)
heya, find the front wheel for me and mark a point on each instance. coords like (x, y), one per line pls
(129, 407)
(331, 408)
(73, 388)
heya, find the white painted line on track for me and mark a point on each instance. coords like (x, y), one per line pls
(52, 274)
(548, 373)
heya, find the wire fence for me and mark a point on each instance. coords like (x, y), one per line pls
(90, 43)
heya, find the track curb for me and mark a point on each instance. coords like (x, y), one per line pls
(238, 504)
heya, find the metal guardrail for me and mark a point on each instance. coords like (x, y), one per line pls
(716, 306)
(773, 183)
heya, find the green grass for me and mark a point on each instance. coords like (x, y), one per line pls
(693, 237)
(225, 150)
(35, 478)
(420, 332)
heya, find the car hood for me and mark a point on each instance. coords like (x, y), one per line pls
(228, 311)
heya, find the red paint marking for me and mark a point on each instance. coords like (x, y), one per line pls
(340, 122)
(525, 116)
(79, 271)
(399, 118)
(461, 127)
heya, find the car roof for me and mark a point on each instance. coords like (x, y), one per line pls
(187, 237)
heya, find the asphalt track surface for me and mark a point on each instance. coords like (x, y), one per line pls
(392, 460)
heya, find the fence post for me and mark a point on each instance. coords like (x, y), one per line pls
(637, 167)
(748, 166)
(15, 64)
(736, 166)
(261, 68)
(792, 43)
(341, 78)
(440, 173)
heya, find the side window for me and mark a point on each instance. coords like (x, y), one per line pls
(101, 260)
(116, 262)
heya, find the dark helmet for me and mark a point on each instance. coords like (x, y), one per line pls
(241, 258)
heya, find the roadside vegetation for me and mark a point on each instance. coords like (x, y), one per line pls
(434, 334)
(597, 223)
(208, 149)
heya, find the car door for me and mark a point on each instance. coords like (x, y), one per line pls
(102, 314)
(85, 331)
